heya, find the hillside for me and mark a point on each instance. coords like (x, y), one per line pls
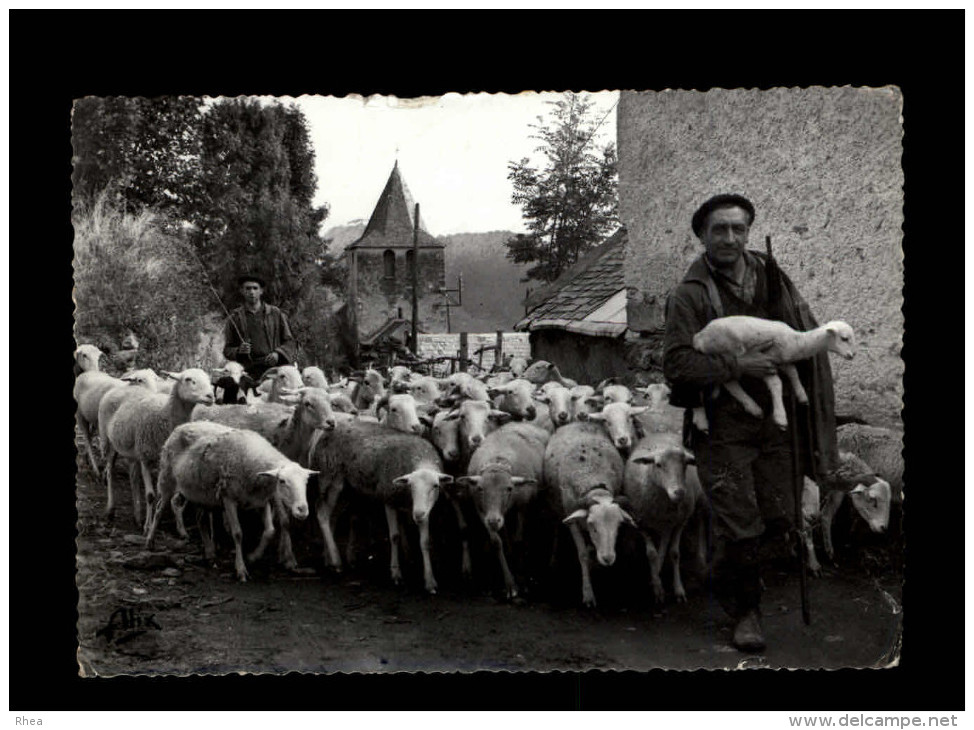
(493, 295)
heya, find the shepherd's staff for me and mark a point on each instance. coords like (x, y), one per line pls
(773, 276)
(206, 277)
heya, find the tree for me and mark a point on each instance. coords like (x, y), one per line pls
(136, 154)
(570, 203)
(255, 211)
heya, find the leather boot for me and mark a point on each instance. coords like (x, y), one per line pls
(747, 633)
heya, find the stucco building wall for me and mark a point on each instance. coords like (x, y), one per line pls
(823, 169)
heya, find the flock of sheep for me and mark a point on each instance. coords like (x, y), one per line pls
(501, 445)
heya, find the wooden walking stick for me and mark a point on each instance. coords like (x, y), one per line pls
(776, 307)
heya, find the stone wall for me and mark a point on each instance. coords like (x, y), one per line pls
(516, 344)
(379, 297)
(822, 167)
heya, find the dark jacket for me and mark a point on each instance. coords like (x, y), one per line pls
(278, 334)
(690, 307)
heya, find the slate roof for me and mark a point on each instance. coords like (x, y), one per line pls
(580, 291)
(391, 224)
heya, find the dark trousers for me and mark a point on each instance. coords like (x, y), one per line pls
(745, 468)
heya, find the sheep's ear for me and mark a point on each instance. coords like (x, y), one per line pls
(452, 416)
(541, 396)
(627, 518)
(576, 516)
(644, 459)
(445, 480)
(523, 482)
(691, 459)
(288, 398)
(268, 473)
(270, 373)
(500, 416)
(312, 472)
(638, 410)
(600, 417)
(174, 376)
(401, 482)
(468, 481)
(426, 421)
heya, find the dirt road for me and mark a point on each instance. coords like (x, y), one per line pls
(168, 612)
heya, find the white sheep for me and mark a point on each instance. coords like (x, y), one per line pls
(881, 448)
(212, 465)
(663, 491)
(90, 386)
(660, 416)
(137, 384)
(737, 334)
(141, 426)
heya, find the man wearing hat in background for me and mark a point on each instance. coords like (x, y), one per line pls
(744, 463)
(257, 335)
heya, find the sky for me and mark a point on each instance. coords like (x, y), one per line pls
(453, 153)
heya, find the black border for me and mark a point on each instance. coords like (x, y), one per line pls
(56, 56)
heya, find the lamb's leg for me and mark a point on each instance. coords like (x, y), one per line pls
(497, 542)
(109, 467)
(285, 552)
(735, 389)
(230, 509)
(655, 565)
(830, 505)
(466, 566)
(85, 429)
(266, 536)
(778, 414)
(424, 546)
(135, 477)
(324, 512)
(179, 502)
(588, 595)
(674, 552)
(813, 565)
(209, 545)
(150, 493)
(392, 520)
(791, 372)
(156, 517)
(700, 419)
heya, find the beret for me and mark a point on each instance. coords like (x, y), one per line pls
(725, 200)
(251, 277)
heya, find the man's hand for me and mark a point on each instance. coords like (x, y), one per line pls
(271, 359)
(759, 361)
(244, 348)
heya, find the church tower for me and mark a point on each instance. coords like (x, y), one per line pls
(380, 274)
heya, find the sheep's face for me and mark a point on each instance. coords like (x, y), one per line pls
(477, 419)
(315, 407)
(423, 487)
(292, 487)
(617, 419)
(314, 377)
(193, 386)
(657, 395)
(402, 414)
(667, 468)
(842, 340)
(516, 398)
(559, 401)
(602, 519)
(86, 356)
(446, 435)
(493, 492)
(617, 394)
(145, 377)
(580, 397)
(872, 503)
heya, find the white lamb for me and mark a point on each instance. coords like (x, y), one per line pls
(213, 465)
(90, 386)
(735, 335)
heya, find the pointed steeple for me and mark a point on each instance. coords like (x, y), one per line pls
(391, 223)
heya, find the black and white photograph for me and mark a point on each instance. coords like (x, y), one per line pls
(530, 382)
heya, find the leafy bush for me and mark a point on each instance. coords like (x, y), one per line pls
(130, 274)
